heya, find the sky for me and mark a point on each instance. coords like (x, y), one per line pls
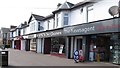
(15, 12)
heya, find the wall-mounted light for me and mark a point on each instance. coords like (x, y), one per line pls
(81, 10)
(111, 47)
(94, 47)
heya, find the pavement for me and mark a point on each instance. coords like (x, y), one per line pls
(28, 58)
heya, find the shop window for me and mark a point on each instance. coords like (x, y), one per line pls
(33, 40)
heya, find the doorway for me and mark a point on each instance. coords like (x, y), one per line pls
(79, 44)
(101, 47)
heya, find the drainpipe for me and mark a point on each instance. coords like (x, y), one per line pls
(119, 7)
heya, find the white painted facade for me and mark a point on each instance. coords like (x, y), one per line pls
(80, 15)
(49, 24)
(33, 26)
(99, 12)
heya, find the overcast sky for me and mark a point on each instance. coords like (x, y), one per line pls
(14, 12)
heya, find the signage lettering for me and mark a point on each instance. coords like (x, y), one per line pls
(31, 36)
(79, 30)
(49, 34)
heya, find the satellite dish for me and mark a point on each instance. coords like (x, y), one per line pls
(114, 10)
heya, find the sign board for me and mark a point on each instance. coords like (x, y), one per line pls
(50, 33)
(106, 26)
(61, 49)
(32, 36)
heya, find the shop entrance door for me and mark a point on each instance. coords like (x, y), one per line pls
(103, 48)
(79, 44)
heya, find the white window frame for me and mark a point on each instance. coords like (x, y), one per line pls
(89, 9)
(64, 22)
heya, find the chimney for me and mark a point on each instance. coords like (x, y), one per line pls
(25, 23)
(58, 5)
(12, 26)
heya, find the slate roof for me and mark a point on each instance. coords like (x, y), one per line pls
(37, 17)
(5, 30)
(49, 16)
(69, 6)
(66, 5)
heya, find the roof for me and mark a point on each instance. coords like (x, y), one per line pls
(84, 2)
(5, 30)
(37, 17)
(69, 6)
(49, 16)
(64, 6)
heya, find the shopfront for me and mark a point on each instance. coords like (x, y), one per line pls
(25, 43)
(51, 42)
(17, 43)
(32, 40)
(96, 38)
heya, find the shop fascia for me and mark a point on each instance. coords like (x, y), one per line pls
(31, 36)
(50, 34)
(105, 26)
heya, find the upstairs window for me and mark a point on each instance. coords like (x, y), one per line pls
(23, 31)
(19, 32)
(90, 13)
(57, 20)
(66, 19)
(32, 26)
(48, 24)
(40, 27)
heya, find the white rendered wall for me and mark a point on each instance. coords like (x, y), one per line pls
(77, 17)
(101, 9)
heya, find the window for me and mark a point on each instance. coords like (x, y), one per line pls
(23, 31)
(33, 40)
(16, 33)
(48, 24)
(65, 19)
(90, 13)
(57, 20)
(5, 35)
(19, 32)
(54, 23)
(40, 27)
(32, 26)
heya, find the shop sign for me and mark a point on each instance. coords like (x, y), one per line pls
(25, 37)
(50, 34)
(32, 36)
(93, 28)
(16, 38)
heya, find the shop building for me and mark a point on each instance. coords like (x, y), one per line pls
(100, 37)
(24, 41)
(12, 28)
(5, 37)
(36, 24)
(86, 26)
(49, 42)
